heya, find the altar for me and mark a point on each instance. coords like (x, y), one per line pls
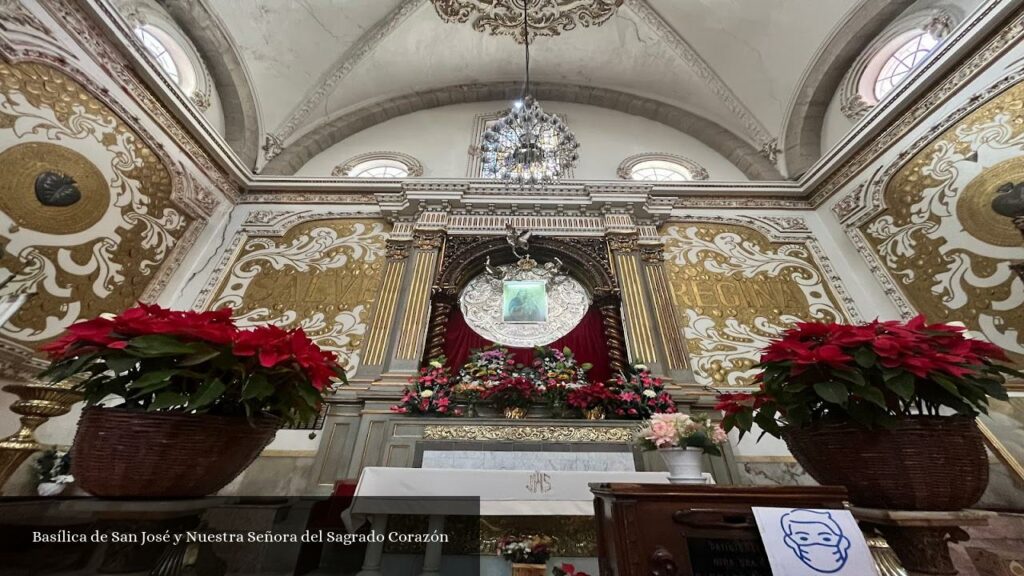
(441, 493)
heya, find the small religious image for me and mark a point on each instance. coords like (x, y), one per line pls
(524, 301)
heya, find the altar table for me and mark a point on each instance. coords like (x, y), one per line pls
(434, 491)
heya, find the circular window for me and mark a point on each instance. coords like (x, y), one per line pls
(168, 55)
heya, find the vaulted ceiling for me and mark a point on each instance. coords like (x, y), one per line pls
(736, 63)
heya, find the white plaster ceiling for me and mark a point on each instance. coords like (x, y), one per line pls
(736, 62)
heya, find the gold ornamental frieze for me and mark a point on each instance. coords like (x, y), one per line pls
(528, 433)
(323, 276)
(87, 219)
(934, 231)
(735, 290)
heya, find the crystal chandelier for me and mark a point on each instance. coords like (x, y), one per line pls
(528, 146)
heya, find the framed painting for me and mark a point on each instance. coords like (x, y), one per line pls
(524, 301)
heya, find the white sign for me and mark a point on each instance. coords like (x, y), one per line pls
(806, 542)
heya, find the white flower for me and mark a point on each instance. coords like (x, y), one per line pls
(650, 393)
(427, 393)
(640, 367)
(63, 479)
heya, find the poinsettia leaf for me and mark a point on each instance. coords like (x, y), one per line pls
(852, 376)
(834, 392)
(873, 395)
(258, 386)
(167, 400)
(901, 385)
(199, 357)
(993, 388)
(865, 357)
(208, 392)
(120, 363)
(155, 345)
(947, 384)
(148, 378)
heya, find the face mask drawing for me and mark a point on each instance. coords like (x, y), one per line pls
(816, 539)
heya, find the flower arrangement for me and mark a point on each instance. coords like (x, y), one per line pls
(567, 570)
(54, 466)
(155, 359)
(683, 431)
(525, 549)
(870, 374)
(487, 367)
(640, 395)
(514, 393)
(559, 367)
(592, 398)
(429, 392)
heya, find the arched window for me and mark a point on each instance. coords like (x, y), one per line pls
(906, 56)
(660, 167)
(169, 55)
(380, 165)
(892, 57)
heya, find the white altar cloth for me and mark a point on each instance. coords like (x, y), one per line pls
(501, 492)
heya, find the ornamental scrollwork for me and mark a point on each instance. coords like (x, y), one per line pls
(530, 433)
(544, 17)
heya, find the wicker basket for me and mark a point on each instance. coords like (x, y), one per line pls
(131, 454)
(924, 463)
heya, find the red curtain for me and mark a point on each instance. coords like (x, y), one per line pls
(586, 341)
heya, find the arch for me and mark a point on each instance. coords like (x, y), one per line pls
(238, 100)
(803, 125)
(738, 151)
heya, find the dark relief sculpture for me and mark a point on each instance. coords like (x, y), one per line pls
(57, 189)
(1009, 200)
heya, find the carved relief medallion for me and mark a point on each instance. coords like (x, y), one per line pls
(545, 17)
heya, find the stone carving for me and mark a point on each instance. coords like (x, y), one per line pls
(56, 189)
(544, 17)
(1009, 200)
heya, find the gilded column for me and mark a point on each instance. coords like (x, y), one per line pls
(376, 342)
(408, 327)
(637, 321)
(672, 345)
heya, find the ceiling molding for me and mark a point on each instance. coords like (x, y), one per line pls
(756, 131)
(734, 148)
(343, 66)
(820, 82)
(234, 87)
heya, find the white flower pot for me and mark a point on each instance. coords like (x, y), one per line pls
(49, 488)
(685, 465)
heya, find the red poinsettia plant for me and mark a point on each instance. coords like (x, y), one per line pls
(430, 392)
(512, 392)
(870, 374)
(155, 359)
(592, 396)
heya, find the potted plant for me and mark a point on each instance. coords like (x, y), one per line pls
(178, 403)
(886, 409)
(558, 373)
(429, 392)
(639, 394)
(528, 554)
(567, 570)
(592, 400)
(512, 396)
(53, 472)
(682, 441)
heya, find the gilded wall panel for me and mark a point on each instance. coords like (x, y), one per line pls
(323, 275)
(934, 231)
(735, 289)
(87, 216)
